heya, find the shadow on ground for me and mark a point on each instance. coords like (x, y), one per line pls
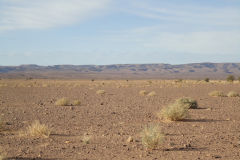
(203, 120)
(185, 149)
(25, 158)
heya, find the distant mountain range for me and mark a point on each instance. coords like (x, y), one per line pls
(124, 71)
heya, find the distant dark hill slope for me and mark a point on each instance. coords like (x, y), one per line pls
(123, 71)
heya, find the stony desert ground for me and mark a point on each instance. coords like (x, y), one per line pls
(107, 126)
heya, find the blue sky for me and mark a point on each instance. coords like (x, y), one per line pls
(80, 32)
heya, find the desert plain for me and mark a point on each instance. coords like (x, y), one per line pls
(107, 125)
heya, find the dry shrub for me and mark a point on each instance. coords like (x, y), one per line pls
(230, 78)
(143, 92)
(76, 103)
(100, 92)
(2, 157)
(153, 93)
(216, 94)
(62, 102)
(233, 94)
(188, 102)
(152, 136)
(86, 138)
(174, 112)
(36, 129)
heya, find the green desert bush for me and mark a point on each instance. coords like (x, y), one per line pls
(62, 102)
(36, 129)
(230, 78)
(178, 80)
(233, 94)
(206, 79)
(174, 112)
(188, 102)
(216, 94)
(151, 136)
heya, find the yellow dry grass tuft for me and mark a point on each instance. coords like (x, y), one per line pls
(152, 136)
(153, 93)
(36, 129)
(62, 102)
(100, 92)
(188, 102)
(143, 92)
(76, 103)
(233, 94)
(86, 138)
(174, 112)
(216, 94)
(2, 157)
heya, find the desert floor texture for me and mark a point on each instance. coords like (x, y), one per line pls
(108, 120)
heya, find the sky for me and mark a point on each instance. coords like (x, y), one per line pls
(101, 32)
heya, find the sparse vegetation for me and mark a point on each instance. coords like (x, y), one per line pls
(174, 112)
(153, 93)
(143, 92)
(62, 102)
(76, 103)
(2, 157)
(206, 79)
(151, 136)
(100, 92)
(1, 124)
(233, 94)
(188, 103)
(36, 129)
(239, 79)
(86, 138)
(178, 80)
(216, 94)
(230, 78)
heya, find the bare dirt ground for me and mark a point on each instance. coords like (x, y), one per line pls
(211, 132)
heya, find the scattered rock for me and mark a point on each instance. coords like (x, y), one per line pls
(130, 139)
(187, 145)
(216, 156)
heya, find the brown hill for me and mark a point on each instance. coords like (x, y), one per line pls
(123, 71)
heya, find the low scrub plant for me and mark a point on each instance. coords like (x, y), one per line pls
(188, 103)
(174, 112)
(86, 138)
(100, 92)
(233, 94)
(216, 94)
(230, 78)
(143, 92)
(206, 79)
(151, 136)
(76, 103)
(36, 129)
(62, 102)
(153, 93)
(2, 157)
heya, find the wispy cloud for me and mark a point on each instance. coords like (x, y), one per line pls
(190, 14)
(25, 14)
(197, 42)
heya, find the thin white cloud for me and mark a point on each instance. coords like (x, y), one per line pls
(197, 42)
(26, 14)
(203, 15)
(212, 42)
